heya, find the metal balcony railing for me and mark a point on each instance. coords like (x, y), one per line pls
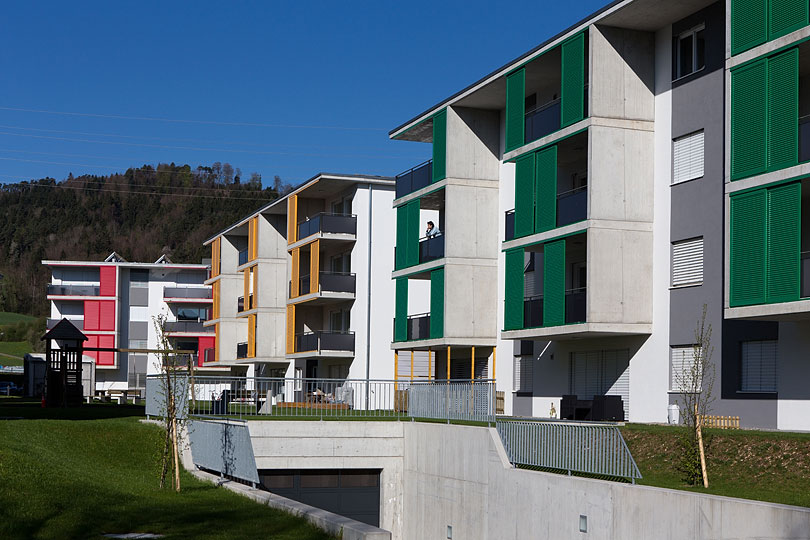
(418, 326)
(575, 305)
(431, 248)
(542, 120)
(533, 311)
(414, 179)
(195, 327)
(241, 306)
(342, 282)
(572, 206)
(73, 290)
(243, 257)
(187, 292)
(328, 223)
(509, 225)
(324, 340)
(241, 350)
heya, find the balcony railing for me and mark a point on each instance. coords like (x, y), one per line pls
(805, 274)
(418, 327)
(78, 323)
(533, 312)
(572, 206)
(243, 257)
(241, 350)
(328, 223)
(542, 120)
(431, 248)
(575, 305)
(414, 179)
(241, 306)
(187, 292)
(195, 327)
(324, 340)
(342, 282)
(73, 290)
(509, 225)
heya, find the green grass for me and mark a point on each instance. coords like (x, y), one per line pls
(14, 318)
(13, 348)
(80, 473)
(761, 465)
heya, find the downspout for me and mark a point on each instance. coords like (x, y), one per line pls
(368, 298)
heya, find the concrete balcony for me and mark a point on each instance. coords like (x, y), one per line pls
(187, 327)
(184, 295)
(324, 343)
(331, 287)
(73, 290)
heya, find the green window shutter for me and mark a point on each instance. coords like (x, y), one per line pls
(554, 283)
(402, 237)
(513, 293)
(401, 310)
(572, 91)
(748, 119)
(524, 196)
(515, 109)
(437, 303)
(783, 110)
(440, 146)
(545, 189)
(784, 243)
(747, 248)
(414, 226)
(749, 24)
(785, 16)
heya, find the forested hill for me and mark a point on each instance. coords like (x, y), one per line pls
(141, 214)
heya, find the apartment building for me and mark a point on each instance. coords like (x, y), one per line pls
(115, 302)
(602, 188)
(301, 286)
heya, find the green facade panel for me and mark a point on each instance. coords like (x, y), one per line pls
(414, 226)
(747, 248)
(572, 91)
(513, 294)
(401, 310)
(440, 146)
(524, 196)
(749, 24)
(515, 109)
(784, 243)
(545, 182)
(437, 303)
(783, 110)
(785, 16)
(554, 283)
(402, 237)
(749, 119)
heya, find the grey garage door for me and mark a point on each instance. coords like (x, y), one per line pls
(354, 493)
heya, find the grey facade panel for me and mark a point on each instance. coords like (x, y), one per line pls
(138, 330)
(138, 296)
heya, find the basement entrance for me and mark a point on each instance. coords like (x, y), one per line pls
(353, 493)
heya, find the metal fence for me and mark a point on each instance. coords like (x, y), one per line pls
(572, 447)
(245, 397)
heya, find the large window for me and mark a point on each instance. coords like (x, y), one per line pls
(690, 51)
(758, 366)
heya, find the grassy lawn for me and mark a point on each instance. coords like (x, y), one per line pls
(14, 318)
(761, 465)
(94, 470)
(13, 348)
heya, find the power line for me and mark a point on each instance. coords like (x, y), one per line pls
(183, 121)
(127, 192)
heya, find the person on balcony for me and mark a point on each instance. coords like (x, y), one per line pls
(432, 230)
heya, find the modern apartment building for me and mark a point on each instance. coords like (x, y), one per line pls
(114, 303)
(602, 188)
(301, 286)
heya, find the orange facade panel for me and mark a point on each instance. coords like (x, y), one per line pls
(295, 273)
(291, 329)
(215, 294)
(292, 219)
(314, 264)
(251, 343)
(215, 253)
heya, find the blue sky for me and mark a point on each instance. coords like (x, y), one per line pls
(279, 88)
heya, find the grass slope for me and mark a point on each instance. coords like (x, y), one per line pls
(13, 348)
(83, 477)
(761, 465)
(14, 318)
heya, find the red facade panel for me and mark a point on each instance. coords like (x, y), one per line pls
(92, 342)
(204, 343)
(91, 315)
(106, 319)
(106, 358)
(107, 281)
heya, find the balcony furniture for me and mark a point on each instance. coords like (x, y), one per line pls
(600, 408)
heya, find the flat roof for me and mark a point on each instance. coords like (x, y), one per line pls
(190, 266)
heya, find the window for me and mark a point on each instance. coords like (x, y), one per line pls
(523, 374)
(687, 154)
(758, 366)
(682, 370)
(687, 262)
(690, 51)
(139, 278)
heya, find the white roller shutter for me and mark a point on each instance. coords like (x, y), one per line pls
(601, 373)
(523, 374)
(687, 155)
(687, 262)
(616, 376)
(681, 362)
(759, 366)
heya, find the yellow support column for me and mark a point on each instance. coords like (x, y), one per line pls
(492, 373)
(396, 369)
(411, 365)
(472, 365)
(430, 367)
(448, 362)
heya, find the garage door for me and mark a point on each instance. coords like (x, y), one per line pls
(353, 493)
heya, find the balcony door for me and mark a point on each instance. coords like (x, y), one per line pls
(339, 320)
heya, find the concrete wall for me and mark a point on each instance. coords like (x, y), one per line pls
(472, 143)
(339, 445)
(460, 477)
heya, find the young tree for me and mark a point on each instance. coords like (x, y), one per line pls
(694, 382)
